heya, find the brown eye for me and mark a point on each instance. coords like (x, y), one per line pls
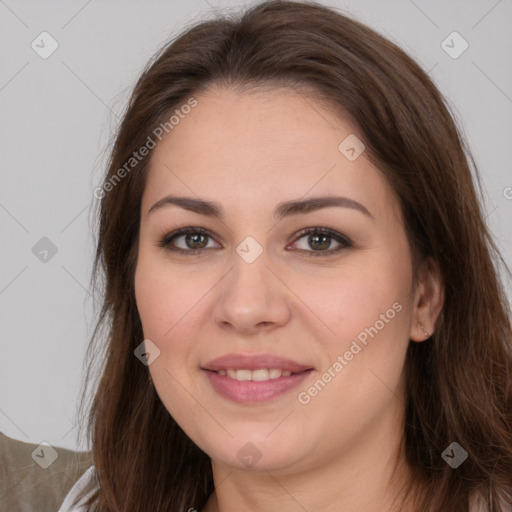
(196, 240)
(320, 241)
(186, 240)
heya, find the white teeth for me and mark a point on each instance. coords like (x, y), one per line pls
(260, 374)
(242, 374)
(274, 373)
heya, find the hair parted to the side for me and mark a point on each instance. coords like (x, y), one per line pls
(459, 383)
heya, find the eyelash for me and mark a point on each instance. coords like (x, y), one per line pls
(165, 241)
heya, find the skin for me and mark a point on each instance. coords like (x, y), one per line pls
(249, 152)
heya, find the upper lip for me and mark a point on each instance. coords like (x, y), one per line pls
(254, 362)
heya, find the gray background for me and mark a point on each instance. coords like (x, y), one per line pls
(57, 119)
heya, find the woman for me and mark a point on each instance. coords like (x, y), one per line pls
(301, 293)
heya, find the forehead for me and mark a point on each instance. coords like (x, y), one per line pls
(259, 146)
(261, 129)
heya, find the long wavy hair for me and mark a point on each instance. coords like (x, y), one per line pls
(459, 382)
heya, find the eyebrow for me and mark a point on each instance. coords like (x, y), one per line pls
(282, 210)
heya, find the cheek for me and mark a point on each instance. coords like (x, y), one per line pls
(163, 295)
(164, 321)
(152, 300)
(170, 302)
(356, 298)
(361, 374)
(366, 308)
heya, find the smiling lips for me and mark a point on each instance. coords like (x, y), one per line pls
(254, 378)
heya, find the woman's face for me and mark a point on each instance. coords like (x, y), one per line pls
(337, 302)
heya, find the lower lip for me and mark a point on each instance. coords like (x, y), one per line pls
(244, 391)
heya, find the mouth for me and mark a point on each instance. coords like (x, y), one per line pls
(258, 375)
(252, 378)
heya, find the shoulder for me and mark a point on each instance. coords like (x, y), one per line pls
(83, 488)
(34, 478)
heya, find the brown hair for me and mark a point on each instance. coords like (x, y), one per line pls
(458, 383)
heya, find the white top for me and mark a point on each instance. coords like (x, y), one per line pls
(80, 492)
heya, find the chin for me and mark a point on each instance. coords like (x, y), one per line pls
(254, 452)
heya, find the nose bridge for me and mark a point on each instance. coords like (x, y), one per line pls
(251, 294)
(249, 276)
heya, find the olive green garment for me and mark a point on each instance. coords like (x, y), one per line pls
(25, 486)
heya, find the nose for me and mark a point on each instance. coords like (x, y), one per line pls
(252, 297)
